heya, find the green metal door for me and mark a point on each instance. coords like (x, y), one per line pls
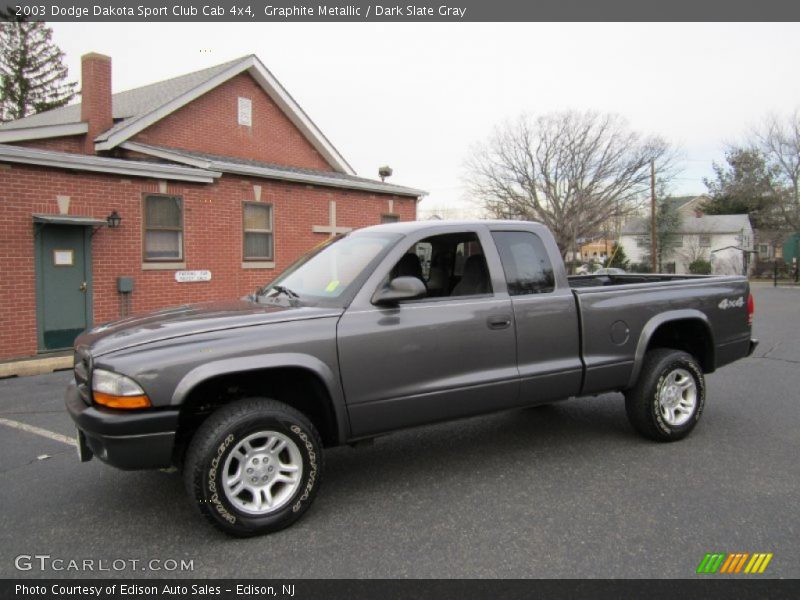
(63, 284)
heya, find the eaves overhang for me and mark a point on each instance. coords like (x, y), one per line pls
(22, 134)
(99, 164)
(272, 172)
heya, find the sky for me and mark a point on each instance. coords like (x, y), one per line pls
(417, 96)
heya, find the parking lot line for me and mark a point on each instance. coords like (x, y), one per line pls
(39, 431)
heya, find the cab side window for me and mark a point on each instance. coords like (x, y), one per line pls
(527, 267)
(449, 265)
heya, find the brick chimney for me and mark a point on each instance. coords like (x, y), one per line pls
(95, 96)
(698, 212)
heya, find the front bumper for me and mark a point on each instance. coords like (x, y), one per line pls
(126, 440)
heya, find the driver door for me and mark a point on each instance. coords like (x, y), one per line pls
(450, 354)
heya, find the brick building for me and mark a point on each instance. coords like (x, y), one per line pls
(220, 181)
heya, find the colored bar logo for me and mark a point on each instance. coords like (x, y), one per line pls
(734, 563)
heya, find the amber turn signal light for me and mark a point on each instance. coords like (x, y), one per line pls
(124, 402)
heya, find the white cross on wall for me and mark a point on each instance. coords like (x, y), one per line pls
(331, 229)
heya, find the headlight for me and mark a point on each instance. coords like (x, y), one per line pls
(117, 391)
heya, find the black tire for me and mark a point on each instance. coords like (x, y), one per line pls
(230, 429)
(642, 402)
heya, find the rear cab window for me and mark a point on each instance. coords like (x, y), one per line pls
(526, 265)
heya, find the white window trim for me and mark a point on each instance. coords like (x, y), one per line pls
(270, 231)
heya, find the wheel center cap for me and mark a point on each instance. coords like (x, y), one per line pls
(260, 465)
(671, 395)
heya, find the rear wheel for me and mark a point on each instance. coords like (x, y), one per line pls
(668, 399)
(254, 466)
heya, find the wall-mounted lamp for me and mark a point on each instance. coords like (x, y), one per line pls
(113, 219)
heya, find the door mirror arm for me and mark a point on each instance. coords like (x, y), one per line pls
(398, 289)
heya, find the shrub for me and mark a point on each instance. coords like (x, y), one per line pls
(700, 266)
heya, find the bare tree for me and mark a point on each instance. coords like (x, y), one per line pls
(573, 171)
(692, 251)
(778, 138)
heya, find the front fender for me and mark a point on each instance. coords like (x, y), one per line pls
(230, 366)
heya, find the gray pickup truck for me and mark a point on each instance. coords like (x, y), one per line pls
(390, 327)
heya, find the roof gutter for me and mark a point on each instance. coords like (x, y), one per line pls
(165, 154)
(20, 134)
(308, 178)
(269, 173)
(84, 162)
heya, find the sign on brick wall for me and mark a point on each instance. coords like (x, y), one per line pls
(192, 276)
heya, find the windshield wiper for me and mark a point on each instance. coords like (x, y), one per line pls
(284, 290)
(293, 296)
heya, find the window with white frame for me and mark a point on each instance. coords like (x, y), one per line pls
(163, 228)
(258, 242)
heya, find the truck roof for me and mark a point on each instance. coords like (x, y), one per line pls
(406, 227)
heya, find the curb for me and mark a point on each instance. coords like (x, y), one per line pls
(35, 366)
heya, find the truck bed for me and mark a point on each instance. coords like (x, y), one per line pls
(617, 311)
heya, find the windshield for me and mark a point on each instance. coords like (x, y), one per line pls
(330, 274)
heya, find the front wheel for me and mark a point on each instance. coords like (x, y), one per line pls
(254, 467)
(668, 399)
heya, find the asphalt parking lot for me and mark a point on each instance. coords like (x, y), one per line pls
(561, 491)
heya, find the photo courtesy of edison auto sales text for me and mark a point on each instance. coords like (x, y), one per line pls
(139, 590)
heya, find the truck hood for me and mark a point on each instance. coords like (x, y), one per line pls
(189, 320)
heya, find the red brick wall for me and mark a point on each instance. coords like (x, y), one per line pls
(210, 124)
(70, 143)
(212, 238)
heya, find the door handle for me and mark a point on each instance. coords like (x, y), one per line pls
(82, 286)
(499, 321)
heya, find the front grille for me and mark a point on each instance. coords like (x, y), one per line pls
(83, 372)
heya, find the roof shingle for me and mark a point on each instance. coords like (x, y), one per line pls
(128, 104)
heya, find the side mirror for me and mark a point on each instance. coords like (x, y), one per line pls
(400, 288)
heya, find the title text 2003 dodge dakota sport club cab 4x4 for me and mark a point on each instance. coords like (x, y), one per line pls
(389, 327)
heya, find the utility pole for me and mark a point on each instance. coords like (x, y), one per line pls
(653, 243)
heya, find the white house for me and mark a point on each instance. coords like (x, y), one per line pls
(726, 241)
